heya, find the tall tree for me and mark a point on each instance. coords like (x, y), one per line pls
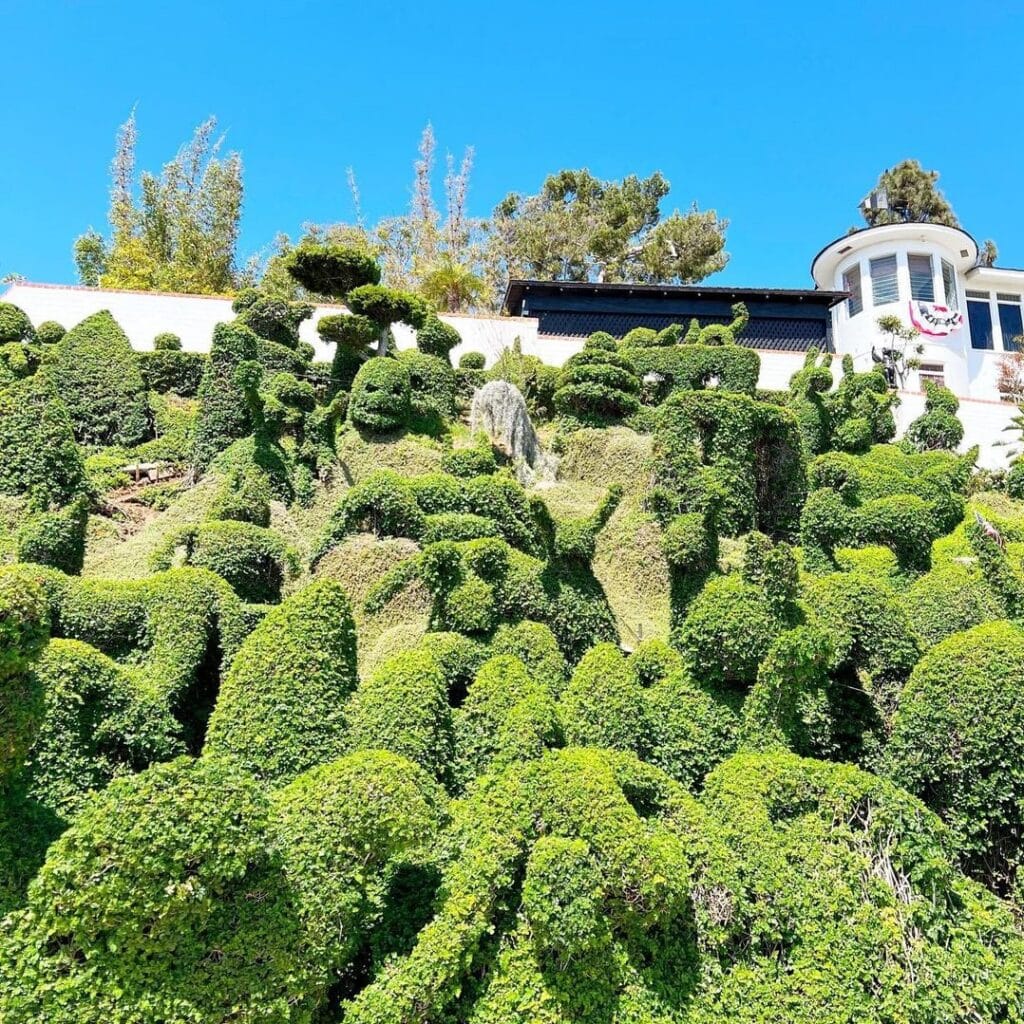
(912, 194)
(579, 228)
(176, 231)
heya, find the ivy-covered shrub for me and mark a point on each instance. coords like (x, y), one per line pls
(604, 704)
(472, 361)
(171, 371)
(18, 361)
(728, 629)
(346, 830)
(508, 716)
(99, 723)
(949, 599)
(281, 705)
(729, 457)
(403, 708)
(808, 398)
(164, 901)
(244, 496)
(861, 410)
(167, 341)
(381, 396)
(49, 332)
(254, 560)
(56, 538)
(38, 454)
(937, 428)
(432, 386)
(469, 462)
(96, 374)
(437, 338)
(536, 647)
(224, 413)
(654, 660)
(15, 326)
(24, 629)
(958, 743)
(273, 319)
(598, 384)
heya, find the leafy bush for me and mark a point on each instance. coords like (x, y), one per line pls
(331, 270)
(15, 326)
(597, 384)
(281, 705)
(38, 454)
(472, 361)
(49, 332)
(96, 374)
(270, 318)
(953, 597)
(170, 371)
(167, 342)
(958, 743)
(937, 428)
(604, 704)
(403, 708)
(437, 338)
(57, 538)
(224, 413)
(432, 384)
(381, 396)
(254, 560)
(244, 496)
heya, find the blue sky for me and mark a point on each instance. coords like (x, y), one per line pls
(778, 116)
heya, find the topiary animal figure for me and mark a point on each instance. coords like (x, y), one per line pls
(937, 428)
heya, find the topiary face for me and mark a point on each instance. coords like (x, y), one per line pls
(380, 396)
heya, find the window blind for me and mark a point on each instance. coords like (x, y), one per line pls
(851, 284)
(922, 284)
(949, 285)
(884, 287)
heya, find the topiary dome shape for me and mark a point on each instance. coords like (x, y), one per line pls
(958, 743)
(15, 326)
(599, 383)
(49, 332)
(281, 707)
(381, 396)
(96, 375)
(331, 270)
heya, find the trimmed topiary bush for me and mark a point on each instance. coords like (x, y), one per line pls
(953, 597)
(331, 270)
(167, 342)
(38, 454)
(96, 375)
(272, 319)
(958, 743)
(937, 428)
(254, 560)
(438, 338)
(224, 413)
(381, 396)
(432, 387)
(537, 648)
(170, 371)
(57, 538)
(15, 326)
(472, 361)
(403, 708)
(597, 384)
(281, 705)
(49, 332)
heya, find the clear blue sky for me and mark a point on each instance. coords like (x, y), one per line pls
(779, 116)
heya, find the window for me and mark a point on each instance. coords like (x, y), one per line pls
(851, 284)
(883, 281)
(922, 283)
(979, 316)
(1010, 321)
(949, 285)
(932, 373)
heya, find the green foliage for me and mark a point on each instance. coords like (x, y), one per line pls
(437, 338)
(912, 196)
(331, 270)
(604, 705)
(57, 538)
(49, 332)
(536, 647)
(244, 496)
(38, 454)
(957, 743)
(168, 370)
(432, 386)
(472, 361)
(224, 414)
(951, 598)
(535, 380)
(166, 342)
(270, 318)
(403, 708)
(694, 367)
(597, 384)
(254, 560)
(15, 326)
(97, 376)
(937, 428)
(381, 396)
(387, 306)
(281, 705)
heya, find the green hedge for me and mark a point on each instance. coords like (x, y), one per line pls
(168, 371)
(96, 374)
(57, 538)
(38, 454)
(281, 704)
(381, 396)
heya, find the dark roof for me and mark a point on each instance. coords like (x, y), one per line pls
(518, 289)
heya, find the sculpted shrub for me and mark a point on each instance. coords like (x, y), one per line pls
(598, 383)
(96, 375)
(15, 326)
(381, 396)
(281, 707)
